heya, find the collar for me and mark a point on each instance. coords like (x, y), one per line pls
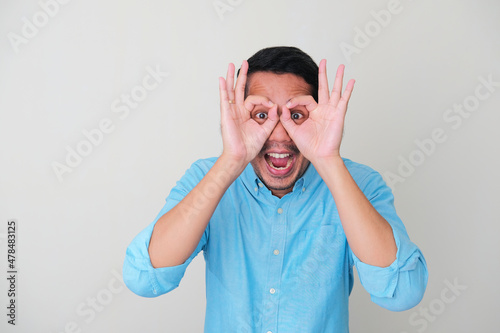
(256, 186)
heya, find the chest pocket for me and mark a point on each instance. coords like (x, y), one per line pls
(322, 256)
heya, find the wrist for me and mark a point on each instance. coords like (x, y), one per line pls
(319, 162)
(231, 166)
(328, 164)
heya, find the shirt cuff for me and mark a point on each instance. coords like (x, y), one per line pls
(382, 282)
(145, 280)
(378, 281)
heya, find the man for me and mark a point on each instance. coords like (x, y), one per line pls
(280, 216)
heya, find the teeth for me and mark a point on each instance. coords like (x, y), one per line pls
(275, 155)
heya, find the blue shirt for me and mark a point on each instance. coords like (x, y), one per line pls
(282, 265)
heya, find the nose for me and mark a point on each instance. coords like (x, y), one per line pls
(279, 134)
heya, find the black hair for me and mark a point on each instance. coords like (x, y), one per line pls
(286, 59)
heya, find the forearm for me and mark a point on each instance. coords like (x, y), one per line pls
(177, 233)
(369, 235)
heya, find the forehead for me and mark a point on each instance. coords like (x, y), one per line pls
(277, 85)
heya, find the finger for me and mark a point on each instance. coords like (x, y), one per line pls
(337, 86)
(225, 108)
(230, 81)
(286, 119)
(272, 120)
(304, 100)
(342, 104)
(223, 91)
(224, 99)
(323, 90)
(240, 83)
(253, 100)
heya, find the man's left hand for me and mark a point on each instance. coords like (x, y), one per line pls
(319, 136)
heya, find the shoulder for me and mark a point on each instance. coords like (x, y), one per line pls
(196, 172)
(363, 175)
(203, 164)
(358, 170)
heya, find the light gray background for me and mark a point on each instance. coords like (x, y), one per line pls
(73, 233)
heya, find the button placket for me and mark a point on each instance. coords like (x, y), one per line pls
(277, 246)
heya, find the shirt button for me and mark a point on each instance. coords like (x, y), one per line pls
(280, 210)
(303, 189)
(272, 290)
(261, 185)
(276, 252)
(256, 189)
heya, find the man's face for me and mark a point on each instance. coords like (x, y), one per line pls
(279, 164)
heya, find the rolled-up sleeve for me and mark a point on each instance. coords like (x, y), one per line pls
(401, 285)
(139, 274)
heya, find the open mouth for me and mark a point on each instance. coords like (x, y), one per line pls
(279, 162)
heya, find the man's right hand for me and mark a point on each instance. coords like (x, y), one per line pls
(243, 135)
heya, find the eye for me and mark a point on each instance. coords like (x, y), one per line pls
(261, 115)
(298, 116)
